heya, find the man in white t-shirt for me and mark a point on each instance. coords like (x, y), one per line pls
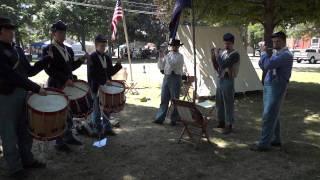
(172, 68)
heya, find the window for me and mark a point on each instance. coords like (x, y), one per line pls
(311, 50)
(315, 41)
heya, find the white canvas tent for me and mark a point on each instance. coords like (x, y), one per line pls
(206, 37)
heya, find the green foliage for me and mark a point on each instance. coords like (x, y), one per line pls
(255, 32)
(35, 17)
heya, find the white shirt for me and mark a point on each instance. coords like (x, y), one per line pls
(173, 61)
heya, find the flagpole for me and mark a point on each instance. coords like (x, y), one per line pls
(194, 53)
(127, 42)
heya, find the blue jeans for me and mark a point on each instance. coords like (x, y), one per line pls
(273, 96)
(170, 90)
(225, 100)
(96, 116)
(16, 140)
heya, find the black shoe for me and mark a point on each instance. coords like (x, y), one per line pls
(109, 133)
(227, 130)
(276, 144)
(258, 148)
(173, 123)
(221, 125)
(158, 122)
(35, 165)
(63, 148)
(72, 140)
(19, 175)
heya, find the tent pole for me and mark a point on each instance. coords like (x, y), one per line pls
(194, 54)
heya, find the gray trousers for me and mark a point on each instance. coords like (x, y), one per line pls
(170, 90)
(16, 140)
(225, 100)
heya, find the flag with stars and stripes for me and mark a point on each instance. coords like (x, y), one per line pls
(117, 16)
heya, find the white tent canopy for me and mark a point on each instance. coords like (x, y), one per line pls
(206, 38)
(78, 47)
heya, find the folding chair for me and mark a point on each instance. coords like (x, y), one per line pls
(184, 93)
(195, 124)
(186, 85)
(122, 76)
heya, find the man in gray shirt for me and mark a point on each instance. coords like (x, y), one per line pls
(226, 62)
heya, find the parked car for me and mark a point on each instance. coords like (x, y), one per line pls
(311, 55)
(295, 53)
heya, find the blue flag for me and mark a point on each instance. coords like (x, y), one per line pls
(174, 23)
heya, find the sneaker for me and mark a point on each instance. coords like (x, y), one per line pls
(258, 148)
(35, 165)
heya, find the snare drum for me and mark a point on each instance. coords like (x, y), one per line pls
(112, 97)
(47, 114)
(80, 98)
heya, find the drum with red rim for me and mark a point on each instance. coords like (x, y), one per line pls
(112, 97)
(47, 114)
(80, 98)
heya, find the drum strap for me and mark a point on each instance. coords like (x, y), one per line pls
(63, 51)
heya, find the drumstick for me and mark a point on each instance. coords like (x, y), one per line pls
(52, 93)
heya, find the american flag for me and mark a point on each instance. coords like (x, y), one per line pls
(117, 16)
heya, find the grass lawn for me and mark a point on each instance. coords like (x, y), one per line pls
(146, 151)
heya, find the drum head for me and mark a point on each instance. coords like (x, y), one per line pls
(79, 91)
(49, 103)
(115, 88)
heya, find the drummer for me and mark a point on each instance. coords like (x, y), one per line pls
(60, 75)
(100, 70)
(14, 86)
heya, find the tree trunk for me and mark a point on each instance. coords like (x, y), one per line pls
(268, 22)
(82, 39)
